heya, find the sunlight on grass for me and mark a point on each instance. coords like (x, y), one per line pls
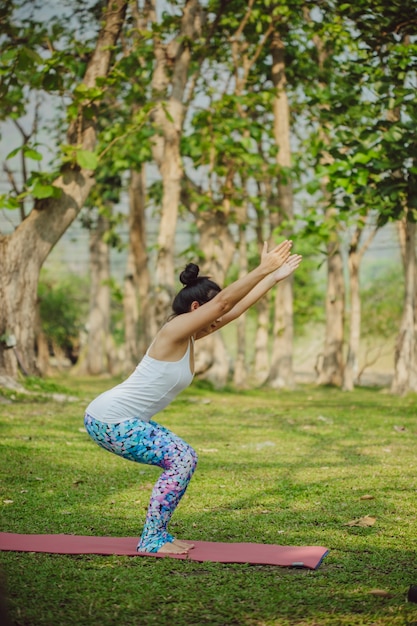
(288, 468)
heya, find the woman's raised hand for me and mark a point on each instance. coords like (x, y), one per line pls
(288, 267)
(276, 257)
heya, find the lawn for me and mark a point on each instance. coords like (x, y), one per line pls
(291, 468)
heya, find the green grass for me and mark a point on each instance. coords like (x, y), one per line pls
(287, 467)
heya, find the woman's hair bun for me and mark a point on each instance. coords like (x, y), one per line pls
(189, 275)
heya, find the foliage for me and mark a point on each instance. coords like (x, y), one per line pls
(116, 318)
(63, 305)
(368, 109)
(310, 466)
(42, 61)
(351, 88)
(44, 386)
(382, 304)
(308, 291)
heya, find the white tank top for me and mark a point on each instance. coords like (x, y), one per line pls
(148, 390)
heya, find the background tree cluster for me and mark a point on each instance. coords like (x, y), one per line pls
(243, 121)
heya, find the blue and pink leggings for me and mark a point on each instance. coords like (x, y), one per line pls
(152, 444)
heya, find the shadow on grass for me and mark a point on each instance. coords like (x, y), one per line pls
(299, 493)
(64, 590)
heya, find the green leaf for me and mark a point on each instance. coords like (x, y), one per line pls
(167, 113)
(13, 153)
(9, 202)
(362, 157)
(87, 159)
(363, 177)
(9, 55)
(52, 81)
(40, 190)
(31, 153)
(313, 186)
(88, 93)
(31, 55)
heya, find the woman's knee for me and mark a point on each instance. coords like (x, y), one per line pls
(186, 459)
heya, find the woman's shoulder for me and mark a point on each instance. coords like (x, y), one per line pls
(167, 345)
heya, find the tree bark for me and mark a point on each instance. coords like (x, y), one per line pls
(97, 359)
(139, 324)
(212, 359)
(331, 370)
(351, 366)
(355, 256)
(23, 252)
(172, 69)
(130, 313)
(239, 370)
(261, 356)
(405, 373)
(281, 370)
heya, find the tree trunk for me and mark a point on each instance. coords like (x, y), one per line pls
(130, 313)
(239, 370)
(261, 355)
(351, 366)
(96, 358)
(281, 371)
(405, 374)
(172, 69)
(355, 257)
(212, 359)
(23, 252)
(138, 322)
(331, 370)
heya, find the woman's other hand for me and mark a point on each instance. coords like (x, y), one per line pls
(289, 266)
(276, 257)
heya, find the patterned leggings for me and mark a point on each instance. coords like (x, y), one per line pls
(152, 444)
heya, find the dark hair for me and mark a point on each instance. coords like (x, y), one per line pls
(196, 288)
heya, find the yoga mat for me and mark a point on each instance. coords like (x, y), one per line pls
(254, 553)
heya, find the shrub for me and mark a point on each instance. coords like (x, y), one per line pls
(63, 305)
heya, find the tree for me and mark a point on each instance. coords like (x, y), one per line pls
(139, 324)
(382, 156)
(220, 101)
(98, 357)
(355, 256)
(231, 137)
(405, 373)
(169, 82)
(327, 38)
(363, 110)
(56, 204)
(281, 372)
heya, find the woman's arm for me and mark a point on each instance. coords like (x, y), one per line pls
(260, 290)
(202, 317)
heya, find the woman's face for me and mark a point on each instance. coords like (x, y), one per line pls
(212, 326)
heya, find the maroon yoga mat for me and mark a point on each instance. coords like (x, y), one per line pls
(254, 553)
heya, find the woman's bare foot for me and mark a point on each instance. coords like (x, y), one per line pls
(183, 544)
(175, 547)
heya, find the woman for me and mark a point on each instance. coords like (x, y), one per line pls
(120, 420)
